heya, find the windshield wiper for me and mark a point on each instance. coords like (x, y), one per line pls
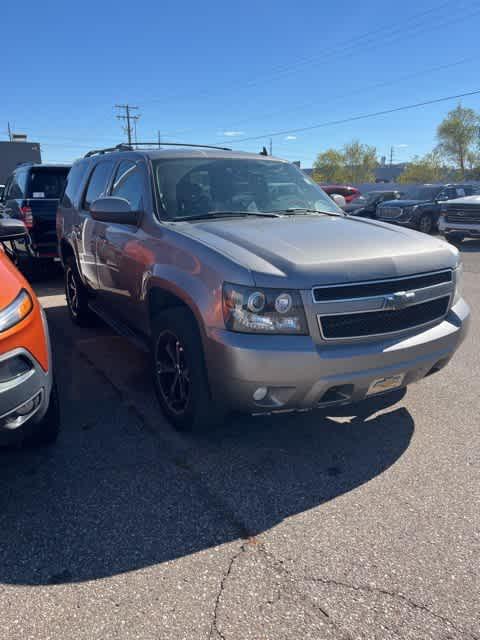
(227, 214)
(306, 210)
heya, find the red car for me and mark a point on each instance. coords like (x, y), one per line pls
(349, 193)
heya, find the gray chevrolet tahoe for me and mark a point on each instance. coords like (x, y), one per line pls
(250, 296)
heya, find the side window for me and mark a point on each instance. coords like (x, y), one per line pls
(72, 184)
(128, 184)
(460, 192)
(15, 190)
(98, 183)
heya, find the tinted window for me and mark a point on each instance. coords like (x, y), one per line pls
(47, 182)
(98, 183)
(17, 185)
(128, 184)
(424, 193)
(72, 185)
(195, 186)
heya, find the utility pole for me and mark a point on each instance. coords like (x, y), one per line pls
(128, 118)
(159, 139)
(9, 132)
(391, 155)
(271, 146)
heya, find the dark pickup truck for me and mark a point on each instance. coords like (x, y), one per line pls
(31, 195)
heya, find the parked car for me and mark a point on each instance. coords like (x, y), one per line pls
(366, 205)
(29, 411)
(247, 301)
(420, 209)
(31, 195)
(460, 219)
(349, 193)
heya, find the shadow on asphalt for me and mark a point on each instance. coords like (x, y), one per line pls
(469, 246)
(120, 491)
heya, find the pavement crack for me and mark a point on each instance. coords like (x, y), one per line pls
(392, 594)
(214, 628)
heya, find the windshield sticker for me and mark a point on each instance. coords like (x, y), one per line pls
(39, 194)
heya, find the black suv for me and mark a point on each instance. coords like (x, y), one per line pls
(366, 205)
(421, 208)
(31, 194)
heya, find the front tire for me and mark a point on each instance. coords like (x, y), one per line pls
(179, 372)
(44, 432)
(425, 223)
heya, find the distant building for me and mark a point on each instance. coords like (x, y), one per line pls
(14, 153)
(383, 173)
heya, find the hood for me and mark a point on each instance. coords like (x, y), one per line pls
(11, 280)
(472, 200)
(402, 203)
(301, 251)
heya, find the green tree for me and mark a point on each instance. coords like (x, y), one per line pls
(355, 162)
(457, 135)
(360, 161)
(329, 167)
(429, 168)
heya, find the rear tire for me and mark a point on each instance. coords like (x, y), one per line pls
(77, 296)
(179, 372)
(45, 432)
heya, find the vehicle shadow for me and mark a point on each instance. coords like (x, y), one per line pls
(120, 491)
(469, 246)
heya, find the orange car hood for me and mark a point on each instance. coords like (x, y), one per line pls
(11, 281)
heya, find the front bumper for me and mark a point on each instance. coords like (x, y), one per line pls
(466, 229)
(16, 392)
(300, 373)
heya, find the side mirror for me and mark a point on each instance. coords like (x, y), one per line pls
(11, 229)
(339, 200)
(115, 210)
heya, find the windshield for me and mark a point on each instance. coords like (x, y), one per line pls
(196, 186)
(47, 183)
(424, 193)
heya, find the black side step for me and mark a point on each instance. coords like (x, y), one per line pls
(120, 327)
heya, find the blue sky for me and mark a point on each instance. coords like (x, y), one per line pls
(222, 71)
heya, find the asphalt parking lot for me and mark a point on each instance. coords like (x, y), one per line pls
(292, 527)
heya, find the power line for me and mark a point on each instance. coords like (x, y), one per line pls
(386, 30)
(128, 118)
(363, 89)
(360, 117)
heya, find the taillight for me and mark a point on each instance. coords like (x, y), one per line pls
(27, 216)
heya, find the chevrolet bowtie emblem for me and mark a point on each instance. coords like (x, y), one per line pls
(399, 300)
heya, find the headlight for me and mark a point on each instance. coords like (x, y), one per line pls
(16, 311)
(252, 310)
(458, 275)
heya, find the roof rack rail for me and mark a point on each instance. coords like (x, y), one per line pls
(124, 146)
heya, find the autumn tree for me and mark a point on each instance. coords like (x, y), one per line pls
(354, 162)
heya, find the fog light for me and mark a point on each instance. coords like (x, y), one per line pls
(260, 394)
(21, 414)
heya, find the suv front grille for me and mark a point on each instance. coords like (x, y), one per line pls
(372, 323)
(463, 213)
(389, 212)
(385, 287)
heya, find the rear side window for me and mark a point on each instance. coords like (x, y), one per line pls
(72, 185)
(98, 183)
(17, 187)
(47, 183)
(128, 184)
